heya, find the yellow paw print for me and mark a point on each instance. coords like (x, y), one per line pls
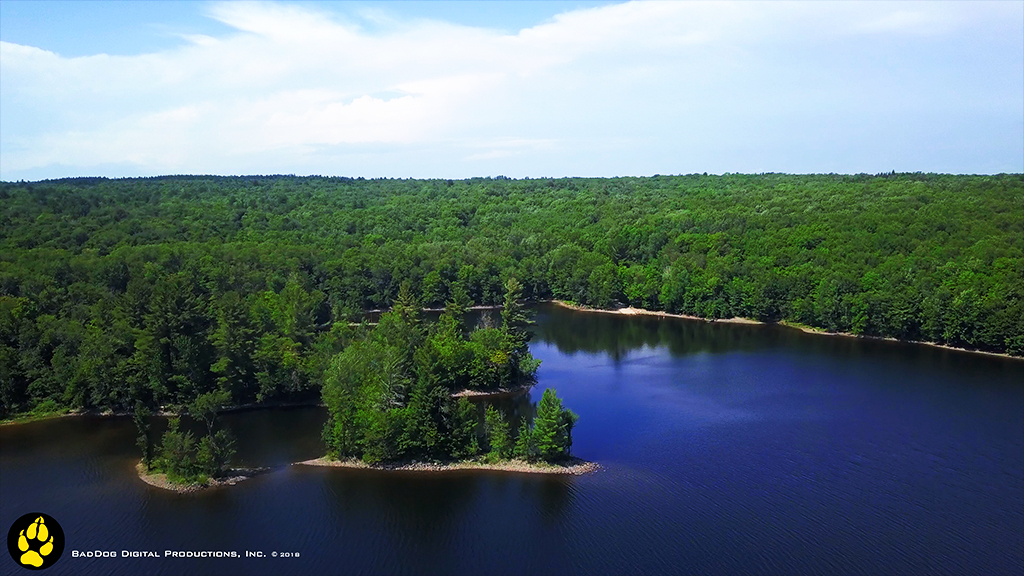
(36, 532)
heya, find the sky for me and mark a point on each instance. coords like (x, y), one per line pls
(520, 89)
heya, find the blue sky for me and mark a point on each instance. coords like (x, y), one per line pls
(461, 89)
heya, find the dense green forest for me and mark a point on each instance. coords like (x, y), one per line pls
(390, 394)
(161, 289)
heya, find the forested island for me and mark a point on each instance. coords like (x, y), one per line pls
(149, 293)
(392, 395)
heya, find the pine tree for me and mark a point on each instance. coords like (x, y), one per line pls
(406, 305)
(524, 448)
(513, 315)
(463, 434)
(459, 304)
(549, 427)
(141, 418)
(497, 434)
(176, 451)
(513, 321)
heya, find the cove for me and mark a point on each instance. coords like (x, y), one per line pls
(724, 449)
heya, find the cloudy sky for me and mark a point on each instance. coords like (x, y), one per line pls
(460, 89)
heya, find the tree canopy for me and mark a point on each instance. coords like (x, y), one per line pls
(163, 289)
(390, 394)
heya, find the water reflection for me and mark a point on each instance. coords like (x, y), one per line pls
(618, 335)
(726, 449)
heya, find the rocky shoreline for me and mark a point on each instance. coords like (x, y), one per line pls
(514, 391)
(574, 466)
(234, 476)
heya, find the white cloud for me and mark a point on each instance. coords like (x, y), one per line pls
(295, 88)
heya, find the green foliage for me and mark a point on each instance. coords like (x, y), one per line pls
(525, 447)
(140, 416)
(177, 452)
(182, 458)
(460, 301)
(464, 443)
(552, 428)
(214, 453)
(48, 406)
(389, 395)
(164, 289)
(498, 439)
(205, 406)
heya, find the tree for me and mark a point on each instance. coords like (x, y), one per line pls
(432, 289)
(406, 305)
(553, 427)
(345, 389)
(204, 407)
(141, 418)
(498, 440)
(459, 304)
(177, 452)
(513, 315)
(525, 448)
(214, 453)
(463, 433)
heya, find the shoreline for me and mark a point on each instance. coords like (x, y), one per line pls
(474, 307)
(630, 311)
(574, 467)
(500, 392)
(234, 476)
(29, 418)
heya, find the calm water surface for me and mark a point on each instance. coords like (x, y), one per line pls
(727, 449)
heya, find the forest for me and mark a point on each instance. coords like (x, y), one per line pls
(391, 397)
(160, 290)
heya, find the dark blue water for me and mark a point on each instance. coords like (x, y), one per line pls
(726, 449)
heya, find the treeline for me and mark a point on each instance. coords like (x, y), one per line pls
(163, 289)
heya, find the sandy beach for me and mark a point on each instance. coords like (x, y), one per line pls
(630, 311)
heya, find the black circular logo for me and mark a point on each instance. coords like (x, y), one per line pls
(35, 541)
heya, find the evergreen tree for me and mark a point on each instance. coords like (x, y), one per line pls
(463, 434)
(553, 427)
(525, 447)
(406, 305)
(497, 428)
(177, 449)
(459, 304)
(141, 418)
(513, 314)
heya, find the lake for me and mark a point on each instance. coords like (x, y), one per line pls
(725, 449)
